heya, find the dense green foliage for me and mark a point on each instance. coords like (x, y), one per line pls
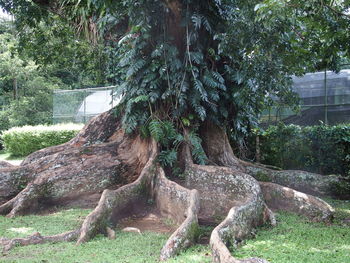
(221, 71)
(60, 53)
(25, 92)
(21, 141)
(33, 108)
(293, 240)
(170, 139)
(321, 149)
(314, 29)
(34, 61)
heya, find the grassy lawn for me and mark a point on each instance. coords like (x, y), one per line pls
(128, 247)
(293, 240)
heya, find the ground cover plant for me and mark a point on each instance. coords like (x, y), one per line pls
(294, 239)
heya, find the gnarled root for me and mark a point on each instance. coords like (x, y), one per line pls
(244, 215)
(99, 129)
(76, 172)
(283, 198)
(182, 205)
(237, 225)
(37, 238)
(116, 200)
(235, 193)
(93, 148)
(306, 182)
(174, 201)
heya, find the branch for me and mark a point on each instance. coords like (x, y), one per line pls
(337, 11)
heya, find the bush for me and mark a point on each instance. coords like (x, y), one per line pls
(21, 141)
(35, 107)
(321, 149)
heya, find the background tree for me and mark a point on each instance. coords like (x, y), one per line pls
(37, 60)
(314, 29)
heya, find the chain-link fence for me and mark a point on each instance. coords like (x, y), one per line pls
(324, 96)
(79, 106)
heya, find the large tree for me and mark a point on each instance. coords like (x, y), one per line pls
(188, 71)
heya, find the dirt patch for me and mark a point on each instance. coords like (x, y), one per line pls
(150, 221)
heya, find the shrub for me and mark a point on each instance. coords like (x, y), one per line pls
(21, 141)
(321, 149)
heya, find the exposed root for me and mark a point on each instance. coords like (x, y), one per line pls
(12, 180)
(237, 225)
(97, 151)
(306, 182)
(116, 200)
(100, 129)
(182, 205)
(37, 238)
(219, 152)
(4, 164)
(76, 175)
(278, 197)
(224, 190)
(7, 207)
(172, 200)
(73, 173)
(97, 221)
(25, 199)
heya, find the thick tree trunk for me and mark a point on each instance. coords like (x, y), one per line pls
(102, 158)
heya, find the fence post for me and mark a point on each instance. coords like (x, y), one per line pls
(85, 94)
(325, 98)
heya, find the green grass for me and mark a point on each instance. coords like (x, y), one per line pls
(297, 240)
(294, 240)
(5, 156)
(128, 247)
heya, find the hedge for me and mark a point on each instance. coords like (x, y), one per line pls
(21, 141)
(321, 149)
